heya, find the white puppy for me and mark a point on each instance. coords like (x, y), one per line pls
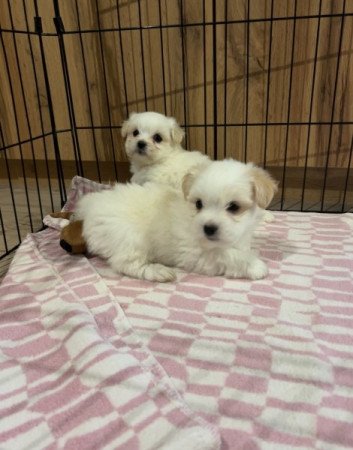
(153, 148)
(144, 231)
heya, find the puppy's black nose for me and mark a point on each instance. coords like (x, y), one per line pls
(141, 144)
(210, 230)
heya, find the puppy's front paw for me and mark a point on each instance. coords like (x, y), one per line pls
(159, 273)
(268, 217)
(257, 270)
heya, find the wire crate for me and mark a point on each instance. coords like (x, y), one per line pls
(263, 81)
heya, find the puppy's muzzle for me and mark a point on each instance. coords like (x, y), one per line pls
(141, 147)
(210, 231)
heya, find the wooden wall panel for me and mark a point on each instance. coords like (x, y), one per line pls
(171, 70)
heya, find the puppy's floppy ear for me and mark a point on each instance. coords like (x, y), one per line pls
(177, 133)
(187, 183)
(265, 186)
(190, 177)
(126, 125)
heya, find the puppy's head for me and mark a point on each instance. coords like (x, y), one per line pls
(226, 196)
(150, 137)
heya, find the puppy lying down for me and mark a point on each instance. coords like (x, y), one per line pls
(146, 231)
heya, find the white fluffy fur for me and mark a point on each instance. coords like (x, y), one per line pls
(145, 231)
(165, 162)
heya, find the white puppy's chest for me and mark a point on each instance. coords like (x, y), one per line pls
(176, 243)
(157, 175)
(169, 171)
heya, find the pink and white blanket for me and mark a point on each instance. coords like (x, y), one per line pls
(91, 360)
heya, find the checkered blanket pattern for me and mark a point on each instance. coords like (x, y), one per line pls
(91, 359)
(269, 362)
(73, 373)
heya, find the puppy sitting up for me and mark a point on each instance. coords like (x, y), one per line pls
(153, 146)
(145, 231)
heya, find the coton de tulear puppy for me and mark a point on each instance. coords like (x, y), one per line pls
(153, 146)
(207, 227)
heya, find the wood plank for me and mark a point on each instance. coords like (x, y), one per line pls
(101, 66)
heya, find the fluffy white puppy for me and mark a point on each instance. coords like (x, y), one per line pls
(153, 146)
(145, 231)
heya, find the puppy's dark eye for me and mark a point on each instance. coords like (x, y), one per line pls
(135, 133)
(198, 204)
(233, 207)
(157, 138)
